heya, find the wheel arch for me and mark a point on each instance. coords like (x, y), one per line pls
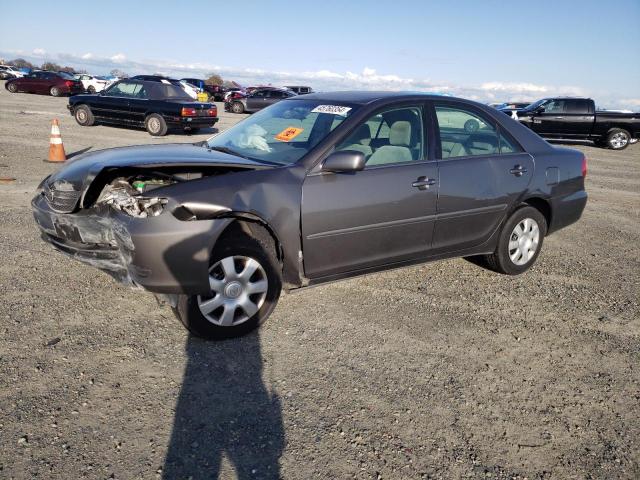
(542, 205)
(253, 226)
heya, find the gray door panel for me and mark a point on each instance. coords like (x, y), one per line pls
(475, 195)
(368, 218)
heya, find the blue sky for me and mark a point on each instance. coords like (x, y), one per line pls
(487, 50)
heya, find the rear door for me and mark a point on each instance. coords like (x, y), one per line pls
(579, 117)
(483, 171)
(381, 215)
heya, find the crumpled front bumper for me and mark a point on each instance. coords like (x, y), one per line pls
(161, 254)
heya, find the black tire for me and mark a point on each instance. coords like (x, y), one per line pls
(91, 89)
(188, 311)
(237, 107)
(84, 116)
(155, 125)
(618, 139)
(12, 87)
(471, 125)
(55, 92)
(500, 260)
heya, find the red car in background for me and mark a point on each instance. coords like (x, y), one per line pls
(46, 83)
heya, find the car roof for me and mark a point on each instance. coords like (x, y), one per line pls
(364, 97)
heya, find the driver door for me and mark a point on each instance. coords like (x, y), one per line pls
(380, 215)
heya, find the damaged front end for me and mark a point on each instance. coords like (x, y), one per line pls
(119, 225)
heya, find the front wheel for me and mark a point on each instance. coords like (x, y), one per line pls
(245, 286)
(520, 242)
(155, 125)
(618, 139)
(12, 87)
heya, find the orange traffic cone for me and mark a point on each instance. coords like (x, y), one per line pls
(56, 148)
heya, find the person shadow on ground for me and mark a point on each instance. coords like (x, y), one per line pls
(224, 408)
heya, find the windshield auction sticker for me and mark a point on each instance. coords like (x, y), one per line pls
(332, 109)
(288, 134)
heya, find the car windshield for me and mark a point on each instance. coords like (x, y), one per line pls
(282, 133)
(66, 76)
(535, 105)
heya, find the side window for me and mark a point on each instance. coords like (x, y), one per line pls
(123, 89)
(139, 92)
(577, 107)
(464, 133)
(259, 94)
(507, 146)
(389, 137)
(554, 106)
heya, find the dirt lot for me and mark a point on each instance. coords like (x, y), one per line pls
(439, 371)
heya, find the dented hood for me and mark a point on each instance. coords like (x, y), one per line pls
(79, 173)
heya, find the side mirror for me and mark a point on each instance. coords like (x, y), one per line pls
(540, 109)
(344, 161)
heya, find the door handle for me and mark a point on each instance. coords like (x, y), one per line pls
(518, 170)
(423, 183)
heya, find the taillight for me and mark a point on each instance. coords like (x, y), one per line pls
(68, 83)
(213, 112)
(584, 166)
(188, 112)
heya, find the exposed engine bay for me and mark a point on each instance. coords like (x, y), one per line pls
(130, 191)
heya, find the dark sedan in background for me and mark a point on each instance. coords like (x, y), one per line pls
(46, 83)
(256, 100)
(313, 189)
(154, 105)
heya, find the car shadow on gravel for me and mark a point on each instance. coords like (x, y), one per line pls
(224, 408)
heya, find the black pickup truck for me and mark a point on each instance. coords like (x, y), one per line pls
(578, 119)
(153, 105)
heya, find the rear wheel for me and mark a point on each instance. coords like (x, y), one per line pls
(519, 244)
(91, 89)
(12, 87)
(84, 116)
(237, 107)
(155, 125)
(245, 286)
(618, 139)
(55, 92)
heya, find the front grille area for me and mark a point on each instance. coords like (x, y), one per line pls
(62, 201)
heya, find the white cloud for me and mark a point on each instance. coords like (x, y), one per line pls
(324, 80)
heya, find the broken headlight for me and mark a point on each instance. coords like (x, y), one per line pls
(121, 196)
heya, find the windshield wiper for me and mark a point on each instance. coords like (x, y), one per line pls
(229, 151)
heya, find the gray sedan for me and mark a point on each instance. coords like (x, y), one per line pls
(313, 189)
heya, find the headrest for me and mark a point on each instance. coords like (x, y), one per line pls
(400, 133)
(362, 133)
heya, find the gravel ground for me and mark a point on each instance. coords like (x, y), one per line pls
(437, 371)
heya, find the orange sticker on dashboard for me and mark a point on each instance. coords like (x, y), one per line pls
(288, 134)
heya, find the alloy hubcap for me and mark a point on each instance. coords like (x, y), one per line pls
(81, 115)
(618, 140)
(524, 241)
(238, 290)
(154, 125)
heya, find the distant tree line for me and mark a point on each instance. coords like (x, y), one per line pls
(49, 66)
